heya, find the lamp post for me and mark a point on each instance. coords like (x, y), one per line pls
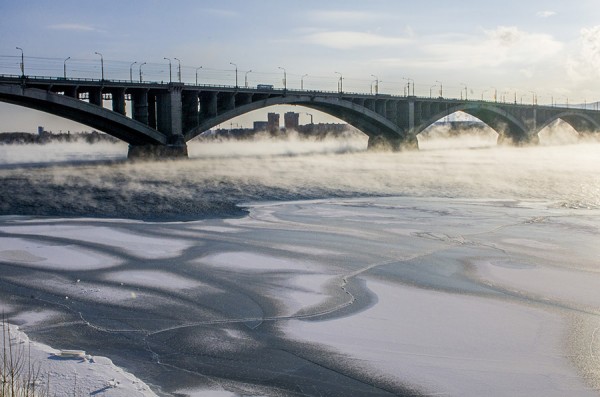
(65, 67)
(101, 63)
(431, 88)
(483, 92)
(302, 82)
(198, 68)
(284, 78)
(141, 71)
(246, 78)
(495, 94)
(340, 82)
(413, 85)
(466, 96)
(236, 74)
(178, 69)
(533, 98)
(441, 89)
(376, 84)
(169, 68)
(131, 72)
(22, 62)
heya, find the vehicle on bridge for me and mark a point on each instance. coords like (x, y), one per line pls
(264, 87)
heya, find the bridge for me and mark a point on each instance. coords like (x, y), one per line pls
(165, 116)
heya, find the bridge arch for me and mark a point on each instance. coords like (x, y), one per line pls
(501, 121)
(581, 122)
(366, 120)
(113, 123)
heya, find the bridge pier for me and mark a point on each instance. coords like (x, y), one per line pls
(157, 152)
(393, 144)
(518, 140)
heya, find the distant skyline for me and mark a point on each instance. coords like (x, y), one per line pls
(550, 48)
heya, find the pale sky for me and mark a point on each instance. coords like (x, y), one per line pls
(549, 47)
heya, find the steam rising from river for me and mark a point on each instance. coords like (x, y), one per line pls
(221, 175)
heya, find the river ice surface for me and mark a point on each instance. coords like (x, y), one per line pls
(365, 296)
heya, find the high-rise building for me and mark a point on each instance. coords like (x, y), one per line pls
(273, 122)
(291, 120)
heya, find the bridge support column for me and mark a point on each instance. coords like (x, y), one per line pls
(169, 121)
(169, 111)
(95, 97)
(118, 101)
(393, 144)
(140, 106)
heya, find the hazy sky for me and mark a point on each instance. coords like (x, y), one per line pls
(549, 47)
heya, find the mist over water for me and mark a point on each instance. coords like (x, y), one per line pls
(220, 175)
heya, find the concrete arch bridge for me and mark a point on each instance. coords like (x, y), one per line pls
(167, 115)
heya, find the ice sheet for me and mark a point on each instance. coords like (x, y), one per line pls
(463, 346)
(47, 255)
(130, 241)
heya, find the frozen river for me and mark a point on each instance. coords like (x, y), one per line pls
(459, 273)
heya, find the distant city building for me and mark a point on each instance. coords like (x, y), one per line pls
(291, 120)
(261, 126)
(40, 130)
(273, 122)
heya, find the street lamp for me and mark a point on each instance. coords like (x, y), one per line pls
(101, 63)
(302, 82)
(131, 72)
(465, 92)
(284, 78)
(22, 62)
(236, 74)
(141, 71)
(169, 68)
(376, 84)
(178, 69)
(246, 78)
(65, 67)
(311, 117)
(441, 89)
(483, 92)
(495, 94)
(340, 82)
(533, 98)
(430, 88)
(197, 74)
(409, 80)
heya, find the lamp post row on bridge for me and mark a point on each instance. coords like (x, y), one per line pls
(340, 80)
